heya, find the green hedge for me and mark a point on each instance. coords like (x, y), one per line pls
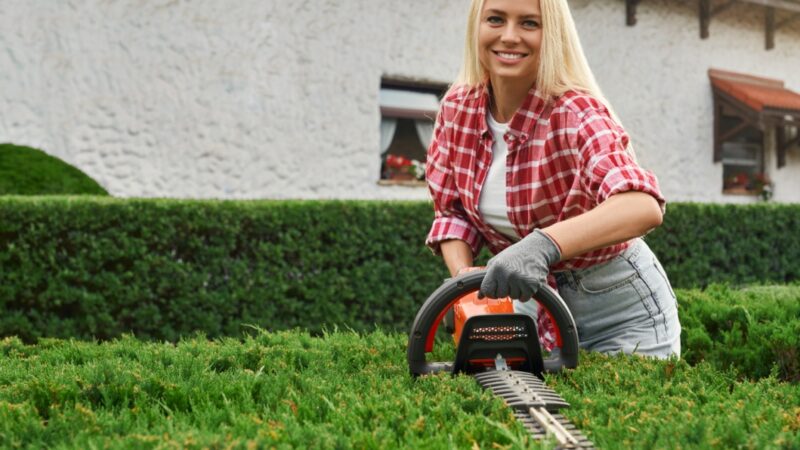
(161, 268)
(702, 244)
(755, 330)
(28, 171)
(348, 390)
(99, 267)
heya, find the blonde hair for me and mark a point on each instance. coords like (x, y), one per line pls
(562, 63)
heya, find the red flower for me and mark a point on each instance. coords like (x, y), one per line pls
(397, 162)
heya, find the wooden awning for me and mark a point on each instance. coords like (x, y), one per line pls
(758, 93)
(777, 14)
(759, 102)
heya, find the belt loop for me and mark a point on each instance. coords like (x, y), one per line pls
(633, 249)
(567, 277)
(573, 279)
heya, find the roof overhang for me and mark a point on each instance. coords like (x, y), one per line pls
(764, 100)
(759, 102)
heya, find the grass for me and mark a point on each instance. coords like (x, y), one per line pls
(349, 390)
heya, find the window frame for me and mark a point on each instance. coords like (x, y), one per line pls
(437, 89)
(725, 106)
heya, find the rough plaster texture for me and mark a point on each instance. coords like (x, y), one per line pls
(655, 75)
(279, 98)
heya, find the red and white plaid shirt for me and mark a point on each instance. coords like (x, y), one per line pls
(565, 157)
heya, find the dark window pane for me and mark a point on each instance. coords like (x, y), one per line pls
(405, 144)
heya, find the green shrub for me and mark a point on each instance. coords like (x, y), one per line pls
(347, 390)
(702, 244)
(95, 268)
(629, 402)
(754, 330)
(28, 171)
(100, 267)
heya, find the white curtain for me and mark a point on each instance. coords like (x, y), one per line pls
(424, 131)
(388, 127)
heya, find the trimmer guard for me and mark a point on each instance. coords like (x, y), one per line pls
(513, 336)
(423, 331)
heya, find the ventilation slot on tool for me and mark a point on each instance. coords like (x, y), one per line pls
(485, 336)
(496, 334)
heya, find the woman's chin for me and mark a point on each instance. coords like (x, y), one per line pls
(512, 76)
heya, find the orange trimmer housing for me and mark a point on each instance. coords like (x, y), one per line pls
(470, 305)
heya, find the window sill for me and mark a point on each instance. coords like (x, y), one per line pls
(405, 183)
(739, 191)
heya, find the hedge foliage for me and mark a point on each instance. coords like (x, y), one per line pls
(165, 268)
(348, 390)
(754, 331)
(701, 244)
(28, 171)
(100, 267)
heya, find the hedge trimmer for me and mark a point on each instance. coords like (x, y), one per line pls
(502, 351)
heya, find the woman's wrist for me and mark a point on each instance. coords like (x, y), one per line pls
(467, 269)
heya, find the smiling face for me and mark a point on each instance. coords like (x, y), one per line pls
(509, 39)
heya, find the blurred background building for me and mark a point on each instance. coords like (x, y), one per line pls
(335, 98)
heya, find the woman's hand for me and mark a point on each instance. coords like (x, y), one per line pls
(521, 269)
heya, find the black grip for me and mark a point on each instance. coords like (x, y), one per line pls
(420, 339)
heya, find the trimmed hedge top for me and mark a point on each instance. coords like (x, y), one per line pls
(347, 390)
(28, 171)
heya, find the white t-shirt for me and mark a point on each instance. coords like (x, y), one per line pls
(492, 203)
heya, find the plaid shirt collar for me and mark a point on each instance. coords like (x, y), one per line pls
(532, 107)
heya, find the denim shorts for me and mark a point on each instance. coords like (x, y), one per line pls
(623, 305)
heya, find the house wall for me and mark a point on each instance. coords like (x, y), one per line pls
(655, 75)
(279, 99)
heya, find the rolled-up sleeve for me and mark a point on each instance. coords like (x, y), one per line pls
(450, 220)
(608, 168)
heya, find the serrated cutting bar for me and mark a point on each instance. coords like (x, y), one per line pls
(535, 405)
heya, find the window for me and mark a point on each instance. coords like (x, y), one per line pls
(742, 156)
(787, 136)
(408, 112)
(748, 108)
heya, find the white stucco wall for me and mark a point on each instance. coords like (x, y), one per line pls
(253, 99)
(278, 98)
(655, 75)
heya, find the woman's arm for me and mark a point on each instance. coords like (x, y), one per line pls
(457, 255)
(621, 217)
(450, 220)
(521, 269)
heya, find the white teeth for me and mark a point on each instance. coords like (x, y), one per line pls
(510, 55)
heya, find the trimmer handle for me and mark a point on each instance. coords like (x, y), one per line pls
(423, 331)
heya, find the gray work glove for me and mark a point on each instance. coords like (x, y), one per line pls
(521, 269)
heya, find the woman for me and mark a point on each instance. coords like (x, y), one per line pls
(528, 158)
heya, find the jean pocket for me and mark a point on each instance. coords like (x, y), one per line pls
(608, 276)
(660, 270)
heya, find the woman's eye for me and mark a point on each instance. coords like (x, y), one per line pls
(494, 20)
(531, 24)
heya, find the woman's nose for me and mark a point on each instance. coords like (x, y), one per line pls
(510, 35)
